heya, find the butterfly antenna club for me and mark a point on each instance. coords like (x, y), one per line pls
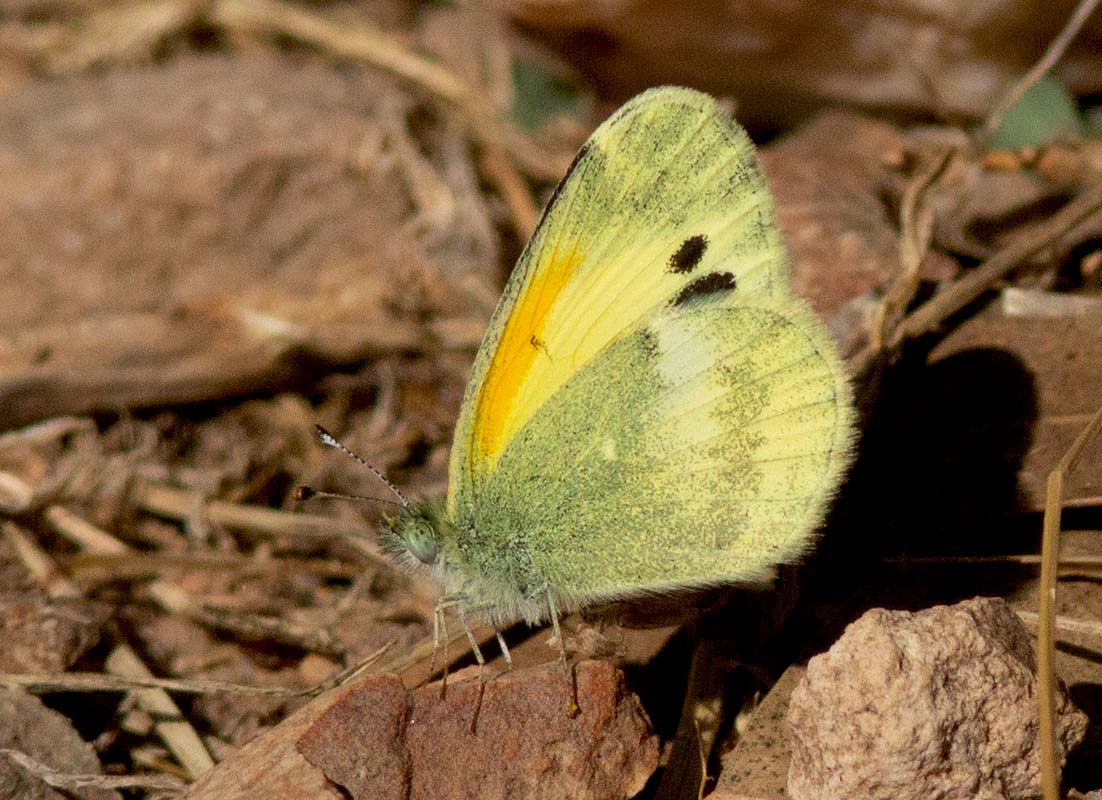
(329, 440)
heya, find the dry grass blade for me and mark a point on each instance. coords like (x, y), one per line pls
(175, 731)
(1053, 53)
(69, 782)
(96, 682)
(1050, 554)
(1064, 624)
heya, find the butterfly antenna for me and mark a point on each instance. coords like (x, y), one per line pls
(303, 493)
(329, 440)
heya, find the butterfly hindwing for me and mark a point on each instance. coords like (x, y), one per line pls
(664, 202)
(701, 447)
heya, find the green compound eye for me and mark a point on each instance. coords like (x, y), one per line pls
(420, 540)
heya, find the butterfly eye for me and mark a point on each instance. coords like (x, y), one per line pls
(421, 542)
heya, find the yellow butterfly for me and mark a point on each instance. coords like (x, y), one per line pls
(651, 408)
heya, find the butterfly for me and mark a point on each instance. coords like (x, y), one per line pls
(651, 408)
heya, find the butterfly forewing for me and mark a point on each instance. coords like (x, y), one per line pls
(664, 202)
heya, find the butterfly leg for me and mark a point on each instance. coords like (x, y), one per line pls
(462, 614)
(438, 616)
(570, 677)
(440, 636)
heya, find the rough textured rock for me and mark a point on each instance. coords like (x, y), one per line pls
(48, 738)
(757, 766)
(374, 739)
(939, 703)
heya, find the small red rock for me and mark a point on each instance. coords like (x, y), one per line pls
(373, 738)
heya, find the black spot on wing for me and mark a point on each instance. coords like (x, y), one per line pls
(648, 341)
(712, 283)
(688, 255)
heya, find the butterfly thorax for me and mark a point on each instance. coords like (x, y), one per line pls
(499, 584)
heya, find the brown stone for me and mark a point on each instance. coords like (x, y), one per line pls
(757, 766)
(372, 738)
(939, 703)
(49, 739)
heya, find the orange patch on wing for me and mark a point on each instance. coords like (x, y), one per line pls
(520, 343)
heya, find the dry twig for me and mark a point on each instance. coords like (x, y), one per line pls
(1064, 624)
(70, 782)
(916, 222)
(929, 316)
(43, 683)
(1053, 53)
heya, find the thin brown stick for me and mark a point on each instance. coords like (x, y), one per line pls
(38, 563)
(1053, 53)
(362, 41)
(916, 222)
(87, 568)
(45, 683)
(121, 32)
(979, 280)
(929, 317)
(1046, 636)
(16, 495)
(1031, 559)
(259, 521)
(513, 190)
(84, 534)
